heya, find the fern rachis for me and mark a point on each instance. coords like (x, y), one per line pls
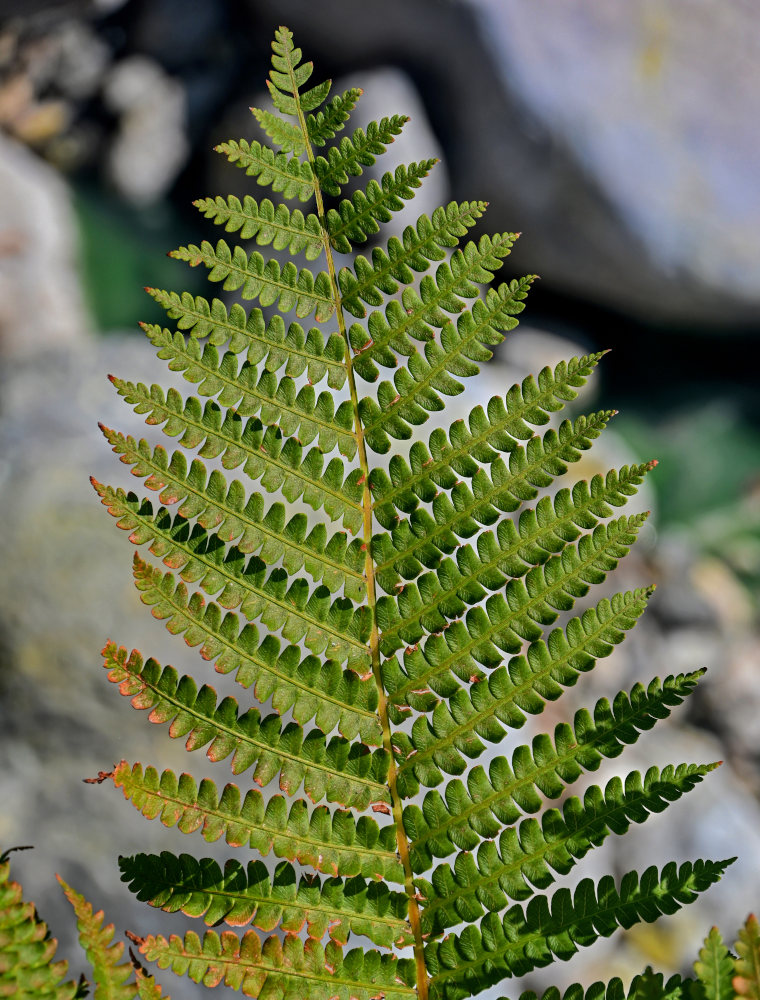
(423, 604)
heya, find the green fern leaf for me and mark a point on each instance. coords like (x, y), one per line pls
(27, 967)
(330, 842)
(282, 967)
(242, 895)
(460, 452)
(463, 965)
(357, 217)
(109, 973)
(279, 171)
(529, 680)
(330, 559)
(325, 124)
(271, 343)
(354, 152)
(267, 281)
(438, 568)
(271, 225)
(416, 387)
(715, 969)
(344, 772)
(295, 411)
(285, 135)
(529, 854)
(746, 980)
(263, 452)
(478, 810)
(306, 686)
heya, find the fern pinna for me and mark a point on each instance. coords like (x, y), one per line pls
(398, 628)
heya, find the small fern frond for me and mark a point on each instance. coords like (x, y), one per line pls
(358, 217)
(285, 135)
(466, 814)
(265, 280)
(526, 604)
(271, 342)
(28, 970)
(355, 152)
(249, 894)
(307, 686)
(332, 118)
(463, 965)
(528, 855)
(271, 225)
(330, 559)
(646, 986)
(417, 386)
(263, 452)
(746, 981)
(344, 772)
(295, 411)
(281, 172)
(286, 967)
(334, 843)
(278, 601)
(468, 444)
(523, 686)
(109, 973)
(422, 541)
(714, 969)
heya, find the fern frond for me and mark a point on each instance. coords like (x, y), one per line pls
(278, 601)
(331, 842)
(289, 74)
(110, 975)
(714, 969)
(272, 343)
(278, 402)
(249, 894)
(469, 593)
(358, 217)
(332, 118)
(479, 809)
(540, 534)
(528, 855)
(344, 772)
(330, 559)
(460, 451)
(418, 314)
(746, 980)
(646, 986)
(263, 452)
(525, 606)
(414, 392)
(423, 539)
(286, 174)
(272, 225)
(463, 965)
(285, 135)
(265, 280)
(28, 970)
(283, 968)
(309, 687)
(538, 675)
(355, 152)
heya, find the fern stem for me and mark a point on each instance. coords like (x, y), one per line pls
(401, 839)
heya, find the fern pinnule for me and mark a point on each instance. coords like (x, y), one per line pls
(390, 637)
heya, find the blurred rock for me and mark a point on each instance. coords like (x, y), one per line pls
(151, 144)
(41, 302)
